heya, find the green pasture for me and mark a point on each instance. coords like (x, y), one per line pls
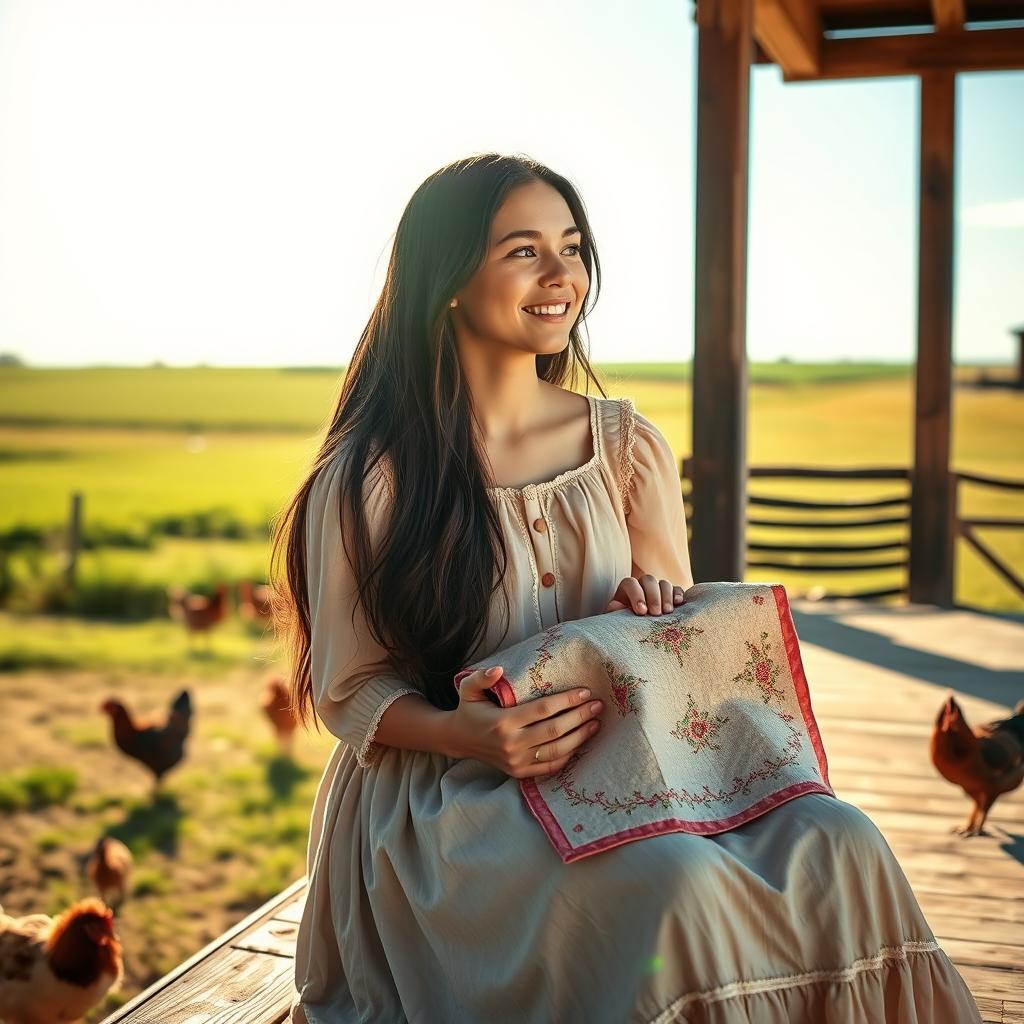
(149, 486)
(208, 398)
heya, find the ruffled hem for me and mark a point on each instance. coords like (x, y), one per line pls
(912, 984)
(915, 983)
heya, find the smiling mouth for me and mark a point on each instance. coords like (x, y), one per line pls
(535, 311)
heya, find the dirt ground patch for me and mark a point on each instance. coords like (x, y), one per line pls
(228, 830)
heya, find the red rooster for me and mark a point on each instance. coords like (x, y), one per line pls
(109, 867)
(157, 745)
(58, 969)
(277, 706)
(199, 614)
(985, 762)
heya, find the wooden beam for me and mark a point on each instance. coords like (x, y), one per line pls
(932, 516)
(724, 52)
(992, 49)
(948, 15)
(789, 31)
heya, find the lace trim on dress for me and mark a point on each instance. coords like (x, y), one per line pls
(569, 474)
(744, 988)
(627, 440)
(368, 751)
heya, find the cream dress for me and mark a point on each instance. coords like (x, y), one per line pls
(435, 897)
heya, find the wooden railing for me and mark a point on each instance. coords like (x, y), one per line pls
(869, 516)
(965, 527)
(804, 555)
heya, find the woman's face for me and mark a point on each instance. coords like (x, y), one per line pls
(525, 270)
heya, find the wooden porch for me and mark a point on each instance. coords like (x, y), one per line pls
(877, 677)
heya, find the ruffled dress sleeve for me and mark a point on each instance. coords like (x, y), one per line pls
(352, 684)
(653, 503)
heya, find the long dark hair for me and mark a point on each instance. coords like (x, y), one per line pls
(403, 399)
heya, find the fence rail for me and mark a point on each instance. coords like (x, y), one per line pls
(779, 554)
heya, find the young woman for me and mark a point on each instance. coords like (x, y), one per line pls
(465, 499)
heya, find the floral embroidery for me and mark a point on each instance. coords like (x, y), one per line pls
(624, 687)
(761, 670)
(577, 828)
(697, 727)
(758, 599)
(538, 685)
(666, 798)
(671, 637)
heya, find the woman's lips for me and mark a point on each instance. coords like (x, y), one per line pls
(551, 318)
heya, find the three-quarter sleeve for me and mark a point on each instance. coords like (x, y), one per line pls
(653, 503)
(352, 686)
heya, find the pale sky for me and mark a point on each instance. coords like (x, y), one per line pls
(211, 181)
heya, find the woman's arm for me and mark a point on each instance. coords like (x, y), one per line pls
(413, 723)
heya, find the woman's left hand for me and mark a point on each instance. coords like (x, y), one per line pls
(646, 595)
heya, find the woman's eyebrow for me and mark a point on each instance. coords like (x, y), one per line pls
(529, 233)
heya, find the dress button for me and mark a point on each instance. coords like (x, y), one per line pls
(539, 525)
(548, 579)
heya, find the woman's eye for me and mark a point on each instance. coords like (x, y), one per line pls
(522, 247)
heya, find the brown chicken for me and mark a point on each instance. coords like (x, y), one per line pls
(58, 969)
(109, 868)
(199, 613)
(157, 745)
(985, 762)
(277, 705)
(254, 601)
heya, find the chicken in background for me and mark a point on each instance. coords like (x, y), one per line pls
(254, 601)
(277, 706)
(199, 613)
(57, 969)
(985, 762)
(157, 745)
(109, 868)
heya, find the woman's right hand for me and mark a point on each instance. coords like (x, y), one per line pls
(508, 738)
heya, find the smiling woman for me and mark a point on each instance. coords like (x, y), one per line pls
(434, 895)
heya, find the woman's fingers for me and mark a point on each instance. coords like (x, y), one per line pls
(646, 595)
(474, 686)
(549, 730)
(630, 594)
(652, 594)
(526, 715)
(555, 750)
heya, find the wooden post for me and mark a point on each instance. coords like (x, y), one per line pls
(952, 530)
(931, 518)
(74, 538)
(724, 53)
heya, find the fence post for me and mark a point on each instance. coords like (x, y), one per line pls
(952, 533)
(74, 538)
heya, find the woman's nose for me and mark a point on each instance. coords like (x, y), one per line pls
(558, 271)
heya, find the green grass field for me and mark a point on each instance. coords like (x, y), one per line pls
(160, 454)
(275, 399)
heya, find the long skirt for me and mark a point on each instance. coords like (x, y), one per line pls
(435, 897)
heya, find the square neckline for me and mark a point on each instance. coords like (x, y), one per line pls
(569, 474)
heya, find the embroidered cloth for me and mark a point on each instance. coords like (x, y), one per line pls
(707, 720)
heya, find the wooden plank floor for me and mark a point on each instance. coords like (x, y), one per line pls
(877, 678)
